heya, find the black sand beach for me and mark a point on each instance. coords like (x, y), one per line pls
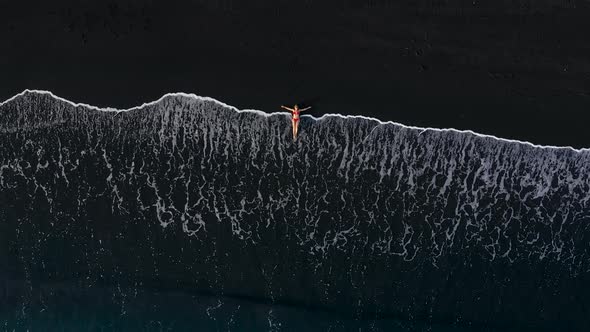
(514, 70)
(186, 215)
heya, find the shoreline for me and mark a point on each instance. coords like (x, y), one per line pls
(263, 113)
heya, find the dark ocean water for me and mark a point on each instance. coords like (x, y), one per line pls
(186, 214)
(73, 308)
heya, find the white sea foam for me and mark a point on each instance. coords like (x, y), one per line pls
(259, 112)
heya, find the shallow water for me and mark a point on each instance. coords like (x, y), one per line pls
(357, 217)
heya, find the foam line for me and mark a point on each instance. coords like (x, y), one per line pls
(194, 96)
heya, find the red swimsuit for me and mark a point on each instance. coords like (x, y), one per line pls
(295, 115)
